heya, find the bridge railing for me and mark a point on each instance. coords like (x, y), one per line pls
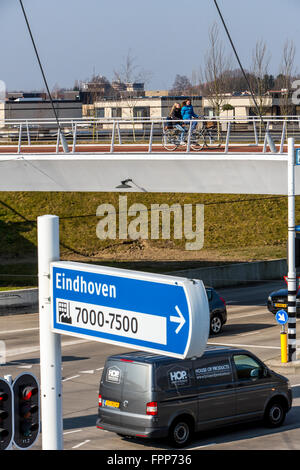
(107, 135)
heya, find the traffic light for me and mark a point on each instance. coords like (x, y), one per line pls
(6, 414)
(26, 410)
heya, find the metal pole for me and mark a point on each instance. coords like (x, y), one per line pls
(20, 139)
(113, 137)
(57, 141)
(151, 137)
(266, 138)
(255, 132)
(74, 137)
(292, 287)
(227, 136)
(28, 133)
(50, 346)
(282, 137)
(189, 138)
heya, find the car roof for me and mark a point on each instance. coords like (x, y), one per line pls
(146, 357)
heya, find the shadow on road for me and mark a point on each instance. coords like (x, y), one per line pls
(80, 422)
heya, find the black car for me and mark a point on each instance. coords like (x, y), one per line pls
(218, 312)
(277, 300)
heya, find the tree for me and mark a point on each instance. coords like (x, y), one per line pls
(287, 71)
(130, 73)
(181, 85)
(260, 77)
(217, 64)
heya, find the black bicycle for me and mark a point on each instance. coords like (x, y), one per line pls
(209, 135)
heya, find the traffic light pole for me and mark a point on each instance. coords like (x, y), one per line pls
(292, 283)
(50, 346)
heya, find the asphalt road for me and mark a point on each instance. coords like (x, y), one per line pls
(249, 325)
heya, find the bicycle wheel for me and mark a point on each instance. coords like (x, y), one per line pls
(213, 139)
(170, 142)
(197, 142)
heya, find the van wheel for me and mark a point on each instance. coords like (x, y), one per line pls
(181, 432)
(275, 414)
(215, 324)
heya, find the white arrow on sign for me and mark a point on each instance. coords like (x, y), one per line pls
(179, 319)
(281, 317)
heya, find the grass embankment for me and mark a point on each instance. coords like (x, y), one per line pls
(236, 228)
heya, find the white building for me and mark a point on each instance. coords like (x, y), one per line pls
(147, 107)
(32, 109)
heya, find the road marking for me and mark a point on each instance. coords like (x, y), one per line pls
(251, 333)
(7, 332)
(205, 445)
(70, 378)
(246, 315)
(70, 432)
(81, 444)
(31, 349)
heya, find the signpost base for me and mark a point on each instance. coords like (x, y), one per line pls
(283, 344)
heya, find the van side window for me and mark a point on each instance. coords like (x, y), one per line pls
(246, 367)
(213, 371)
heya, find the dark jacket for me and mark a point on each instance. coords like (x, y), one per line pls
(176, 114)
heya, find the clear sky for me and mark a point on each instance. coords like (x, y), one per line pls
(77, 38)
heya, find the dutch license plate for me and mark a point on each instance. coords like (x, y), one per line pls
(113, 404)
(281, 305)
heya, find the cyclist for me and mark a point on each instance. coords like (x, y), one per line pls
(187, 113)
(175, 115)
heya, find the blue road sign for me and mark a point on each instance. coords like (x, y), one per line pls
(163, 314)
(281, 317)
(297, 160)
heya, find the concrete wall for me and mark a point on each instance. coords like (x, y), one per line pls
(237, 274)
(24, 300)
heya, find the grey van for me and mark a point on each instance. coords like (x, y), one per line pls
(154, 396)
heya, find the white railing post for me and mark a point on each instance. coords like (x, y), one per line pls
(20, 138)
(74, 138)
(58, 139)
(119, 133)
(255, 132)
(282, 137)
(227, 136)
(151, 137)
(266, 138)
(113, 137)
(28, 134)
(188, 147)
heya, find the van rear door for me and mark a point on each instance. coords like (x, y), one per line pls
(136, 393)
(111, 386)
